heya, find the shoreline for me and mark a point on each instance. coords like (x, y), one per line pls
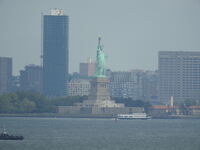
(55, 115)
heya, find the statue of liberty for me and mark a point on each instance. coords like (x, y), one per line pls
(100, 60)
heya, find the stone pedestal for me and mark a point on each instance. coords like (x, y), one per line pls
(99, 95)
(98, 104)
(99, 89)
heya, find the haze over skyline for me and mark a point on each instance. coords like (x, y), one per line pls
(132, 31)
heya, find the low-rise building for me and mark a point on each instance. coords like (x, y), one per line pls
(160, 111)
(194, 110)
(104, 111)
(31, 78)
(78, 87)
(87, 69)
(135, 84)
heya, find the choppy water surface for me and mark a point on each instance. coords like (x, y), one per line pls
(101, 134)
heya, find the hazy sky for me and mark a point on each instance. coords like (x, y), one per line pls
(133, 31)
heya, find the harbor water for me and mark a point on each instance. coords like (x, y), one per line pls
(101, 134)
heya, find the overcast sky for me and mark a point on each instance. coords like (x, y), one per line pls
(133, 31)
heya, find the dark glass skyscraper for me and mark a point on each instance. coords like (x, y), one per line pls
(55, 53)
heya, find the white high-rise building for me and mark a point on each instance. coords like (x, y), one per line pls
(179, 73)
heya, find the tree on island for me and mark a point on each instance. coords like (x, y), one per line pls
(29, 102)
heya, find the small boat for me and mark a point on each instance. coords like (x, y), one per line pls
(133, 116)
(5, 136)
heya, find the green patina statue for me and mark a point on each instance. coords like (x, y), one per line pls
(100, 62)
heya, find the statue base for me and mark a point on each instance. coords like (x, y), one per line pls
(99, 95)
(98, 103)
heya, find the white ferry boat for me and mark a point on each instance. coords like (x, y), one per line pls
(133, 116)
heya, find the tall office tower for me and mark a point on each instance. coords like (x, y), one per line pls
(55, 53)
(179, 74)
(5, 74)
(87, 69)
(31, 78)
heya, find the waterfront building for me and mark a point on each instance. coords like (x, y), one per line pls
(55, 53)
(87, 69)
(165, 111)
(15, 84)
(5, 74)
(135, 84)
(31, 78)
(194, 110)
(150, 86)
(179, 75)
(78, 87)
(121, 84)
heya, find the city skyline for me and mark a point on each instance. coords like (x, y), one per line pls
(133, 31)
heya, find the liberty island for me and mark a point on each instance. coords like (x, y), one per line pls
(99, 101)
